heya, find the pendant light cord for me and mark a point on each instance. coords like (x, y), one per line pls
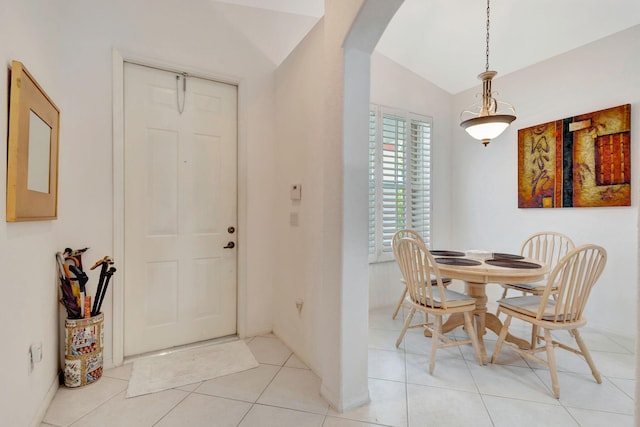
(488, 10)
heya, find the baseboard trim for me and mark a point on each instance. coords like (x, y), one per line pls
(342, 406)
(38, 418)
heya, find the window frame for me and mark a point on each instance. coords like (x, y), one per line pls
(378, 250)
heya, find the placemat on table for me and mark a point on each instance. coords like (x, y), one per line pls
(457, 261)
(512, 263)
(499, 255)
(446, 253)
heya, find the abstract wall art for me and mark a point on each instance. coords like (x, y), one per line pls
(580, 161)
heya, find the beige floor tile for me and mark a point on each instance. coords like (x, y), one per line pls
(341, 422)
(507, 412)
(514, 391)
(246, 385)
(628, 341)
(615, 364)
(269, 350)
(268, 416)
(437, 407)
(69, 405)
(416, 343)
(511, 381)
(384, 339)
(596, 341)
(627, 386)
(387, 406)
(588, 418)
(450, 373)
(566, 361)
(295, 362)
(583, 392)
(381, 318)
(121, 372)
(505, 357)
(189, 387)
(386, 365)
(518, 329)
(136, 411)
(198, 410)
(297, 389)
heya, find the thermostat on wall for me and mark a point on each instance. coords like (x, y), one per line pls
(296, 191)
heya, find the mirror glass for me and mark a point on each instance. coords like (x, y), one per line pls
(39, 151)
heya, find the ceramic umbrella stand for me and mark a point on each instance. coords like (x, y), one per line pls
(83, 350)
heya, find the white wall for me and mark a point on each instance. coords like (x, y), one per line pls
(485, 215)
(475, 188)
(68, 47)
(395, 86)
(197, 39)
(28, 306)
(322, 99)
(299, 153)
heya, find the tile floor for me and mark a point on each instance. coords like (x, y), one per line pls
(283, 392)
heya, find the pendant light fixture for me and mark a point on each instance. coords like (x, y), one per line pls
(490, 118)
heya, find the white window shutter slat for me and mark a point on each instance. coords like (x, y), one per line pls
(372, 183)
(399, 178)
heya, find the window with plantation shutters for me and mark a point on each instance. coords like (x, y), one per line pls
(399, 178)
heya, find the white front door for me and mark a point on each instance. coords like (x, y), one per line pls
(180, 209)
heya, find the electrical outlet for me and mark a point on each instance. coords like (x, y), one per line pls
(34, 355)
(36, 352)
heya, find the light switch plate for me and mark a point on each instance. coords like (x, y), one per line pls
(293, 218)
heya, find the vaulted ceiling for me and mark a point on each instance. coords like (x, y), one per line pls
(444, 40)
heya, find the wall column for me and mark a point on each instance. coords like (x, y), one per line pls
(352, 30)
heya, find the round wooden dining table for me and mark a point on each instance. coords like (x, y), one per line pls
(489, 268)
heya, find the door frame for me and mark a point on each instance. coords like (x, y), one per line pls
(118, 60)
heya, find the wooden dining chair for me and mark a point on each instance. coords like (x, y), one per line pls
(394, 242)
(547, 247)
(571, 281)
(418, 266)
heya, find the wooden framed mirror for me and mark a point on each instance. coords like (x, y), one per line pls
(32, 154)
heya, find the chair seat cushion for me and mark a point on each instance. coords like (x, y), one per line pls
(526, 286)
(529, 306)
(445, 280)
(537, 287)
(453, 298)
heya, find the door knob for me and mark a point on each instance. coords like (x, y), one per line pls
(230, 245)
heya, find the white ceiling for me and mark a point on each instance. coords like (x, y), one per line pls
(444, 40)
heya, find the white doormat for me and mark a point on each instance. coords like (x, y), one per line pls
(162, 372)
